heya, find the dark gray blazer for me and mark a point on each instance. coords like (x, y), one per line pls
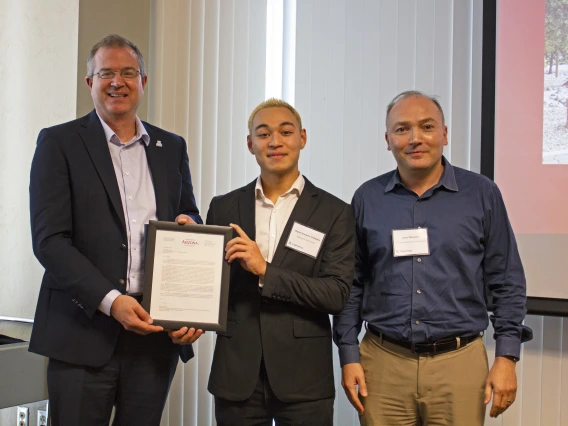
(79, 233)
(287, 323)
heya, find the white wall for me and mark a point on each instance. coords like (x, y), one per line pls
(38, 47)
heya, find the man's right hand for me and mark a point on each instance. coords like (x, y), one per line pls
(127, 311)
(353, 377)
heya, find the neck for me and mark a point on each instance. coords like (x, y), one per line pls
(274, 186)
(123, 127)
(420, 181)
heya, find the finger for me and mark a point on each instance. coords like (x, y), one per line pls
(241, 255)
(352, 396)
(362, 387)
(234, 241)
(240, 232)
(488, 390)
(178, 334)
(140, 327)
(143, 315)
(235, 249)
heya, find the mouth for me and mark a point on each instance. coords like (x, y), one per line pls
(276, 156)
(117, 95)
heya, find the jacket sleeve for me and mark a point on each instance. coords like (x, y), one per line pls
(329, 289)
(52, 227)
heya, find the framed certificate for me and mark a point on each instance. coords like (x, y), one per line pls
(186, 279)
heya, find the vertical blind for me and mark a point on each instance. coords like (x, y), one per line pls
(339, 62)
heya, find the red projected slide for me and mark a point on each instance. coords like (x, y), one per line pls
(531, 136)
(535, 193)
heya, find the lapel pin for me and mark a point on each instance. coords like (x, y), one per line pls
(159, 143)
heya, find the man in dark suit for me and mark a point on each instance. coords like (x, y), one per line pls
(95, 182)
(292, 266)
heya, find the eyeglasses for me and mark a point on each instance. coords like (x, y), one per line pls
(127, 73)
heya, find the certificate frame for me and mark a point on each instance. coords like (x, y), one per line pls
(220, 289)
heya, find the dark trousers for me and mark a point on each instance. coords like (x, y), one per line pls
(136, 381)
(263, 407)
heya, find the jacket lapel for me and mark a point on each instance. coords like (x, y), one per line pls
(94, 139)
(247, 209)
(301, 213)
(156, 161)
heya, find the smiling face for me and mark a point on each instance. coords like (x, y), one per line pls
(416, 135)
(276, 141)
(116, 98)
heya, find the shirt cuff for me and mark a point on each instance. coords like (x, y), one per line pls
(105, 305)
(349, 354)
(508, 346)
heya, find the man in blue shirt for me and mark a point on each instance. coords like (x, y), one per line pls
(430, 239)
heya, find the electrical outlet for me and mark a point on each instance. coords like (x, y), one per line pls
(23, 416)
(41, 418)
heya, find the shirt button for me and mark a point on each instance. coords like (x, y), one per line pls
(418, 291)
(419, 260)
(133, 276)
(127, 173)
(416, 322)
(130, 197)
(121, 282)
(123, 246)
(133, 220)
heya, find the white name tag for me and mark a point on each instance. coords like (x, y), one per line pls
(410, 242)
(305, 240)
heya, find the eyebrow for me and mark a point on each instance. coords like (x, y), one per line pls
(121, 69)
(424, 120)
(284, 123)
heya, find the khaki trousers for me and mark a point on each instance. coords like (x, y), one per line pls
(407, 389)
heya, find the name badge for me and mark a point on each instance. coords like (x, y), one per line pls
(410, 242)
(305, 240)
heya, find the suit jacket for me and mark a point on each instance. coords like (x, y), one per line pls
(287, 322)
(79, 233)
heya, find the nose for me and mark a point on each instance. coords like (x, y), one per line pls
(274, 140)
(117, 80)
(414, 136)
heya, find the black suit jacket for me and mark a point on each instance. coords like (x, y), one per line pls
(79, 233)
(287, 323)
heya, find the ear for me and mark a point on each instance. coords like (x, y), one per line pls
(249, 144)
(445, 135)
(387, 140)
(304, 138)
(89, 82)
(144, 81)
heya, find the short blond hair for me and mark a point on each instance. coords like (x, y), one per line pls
(274, 103)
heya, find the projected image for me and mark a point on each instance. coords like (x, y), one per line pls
(555, 122)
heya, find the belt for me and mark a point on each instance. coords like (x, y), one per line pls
(437, 347)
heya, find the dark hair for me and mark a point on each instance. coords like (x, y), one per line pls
(114, 40)
(408, 94)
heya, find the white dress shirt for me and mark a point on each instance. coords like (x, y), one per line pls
(270, 218)
(138, 202)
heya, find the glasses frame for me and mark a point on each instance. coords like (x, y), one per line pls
(114, 72)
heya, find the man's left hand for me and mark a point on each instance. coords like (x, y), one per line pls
(502, 382)
(184, 219)
(246, 251)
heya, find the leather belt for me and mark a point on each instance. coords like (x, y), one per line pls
(437, 347)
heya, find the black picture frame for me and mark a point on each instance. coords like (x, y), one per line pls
(152, 231)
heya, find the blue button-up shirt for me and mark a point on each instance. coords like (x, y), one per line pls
(440, 295)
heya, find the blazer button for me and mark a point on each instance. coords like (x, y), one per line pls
(123, 247)
(121, 282)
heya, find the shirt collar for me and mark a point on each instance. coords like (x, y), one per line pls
(111, 137)
(448, 179)
(297, 187)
